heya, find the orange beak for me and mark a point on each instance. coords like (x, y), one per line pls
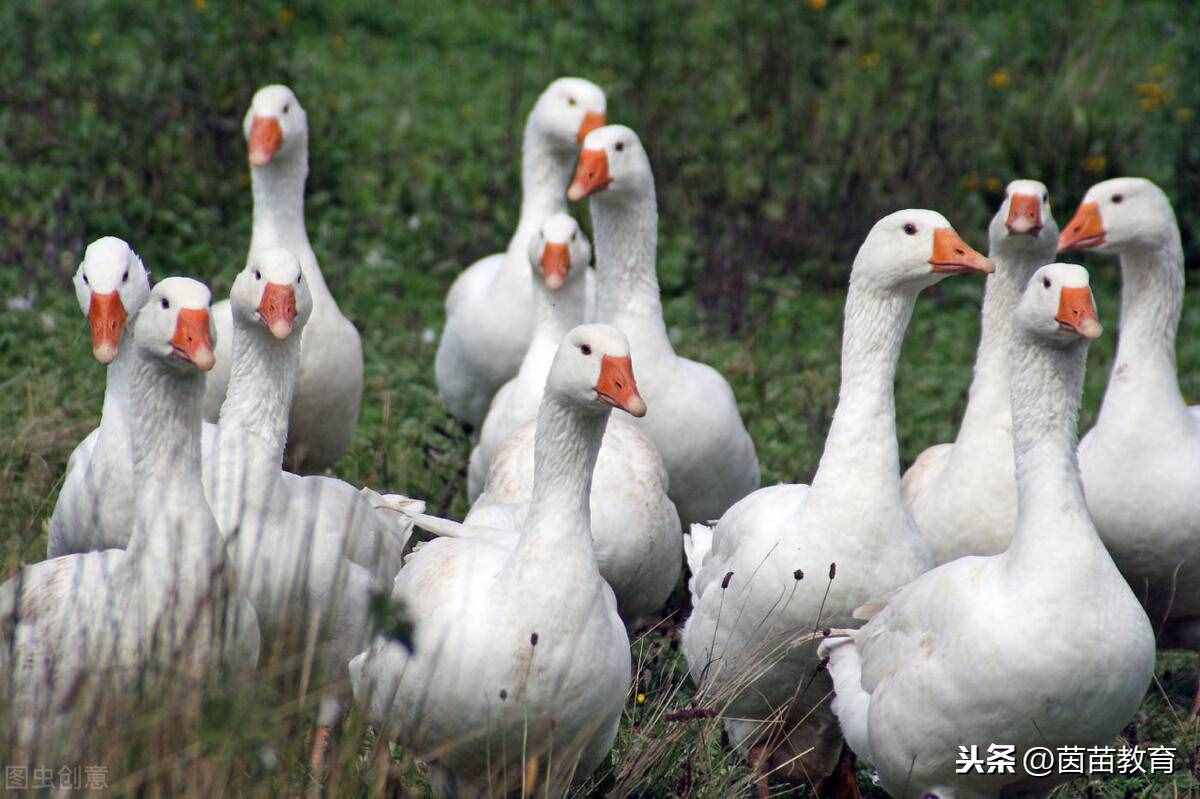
(266, 137)
(277, 309)
(556, 263)
(1024, 214)
(1086, 229)
(953, 256)
(617, 387)
(106, 313)
(591, 175)
(193, 338)
(591, 121)
(1077, 311)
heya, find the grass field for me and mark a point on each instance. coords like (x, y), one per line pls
(778, 132)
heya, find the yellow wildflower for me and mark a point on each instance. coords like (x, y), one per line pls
(817, 5)
(1095, 164)
(1184, 114)
(870, 59)
(286, 15)
(200, 4)
(971, 182)
(1151, 95)
(993, 184)
(641, 699)
(1000, 79)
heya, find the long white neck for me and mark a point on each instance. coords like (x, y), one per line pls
(174, 524)
(1052, 519)
(627, 294)
(253, 425)
(545, 173)
(278, 190)
(1144, 378)
(988, 399)
(558, 525)
(557, 312)
(116, 378)
(262, 381)
(861, 448)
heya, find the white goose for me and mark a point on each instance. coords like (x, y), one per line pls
(1041, 645)
(760, 576)
(963, 495)
(1141, 462)
(558, 255)
(695, 422)
(95, 508)
(109, 619)
(291, 537)
(489, 308)
(635, 528)
(520, 663)
(328, 394)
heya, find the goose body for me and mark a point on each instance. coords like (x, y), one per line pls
(635, 528)
(790, 559)
(95, 508)
(329, 382)
(1140, 463)
(82, 627)
(519, 654)
(293, 557)
(489, 308)
(963, 495)
(695, 425)
(1041, 645)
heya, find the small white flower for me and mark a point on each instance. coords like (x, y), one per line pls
(428, 336)
(20, 303)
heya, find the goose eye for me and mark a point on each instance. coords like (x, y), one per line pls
(1045, 197)
(85, 281)
(257, 275)
(574, 235)
(1046, 282)
(620, 146)
(286, 107)
(165, 303)
(1116, 198)
(585, 349)
(299, 277)
(125, 277)
(570, 101)
(910, 229)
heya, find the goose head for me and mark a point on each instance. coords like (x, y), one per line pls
(612, 161)
(271, 293)
(275, 126)
(111, 285)
(1120, 214)
(593, 370)
(174, 326)
(1024, 224)
(1057, 306)
(560, 252)
(568, 110)
(912, 249)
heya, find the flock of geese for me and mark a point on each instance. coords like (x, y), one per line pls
(1009, 588)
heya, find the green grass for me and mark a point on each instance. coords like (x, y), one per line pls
(778, 132)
